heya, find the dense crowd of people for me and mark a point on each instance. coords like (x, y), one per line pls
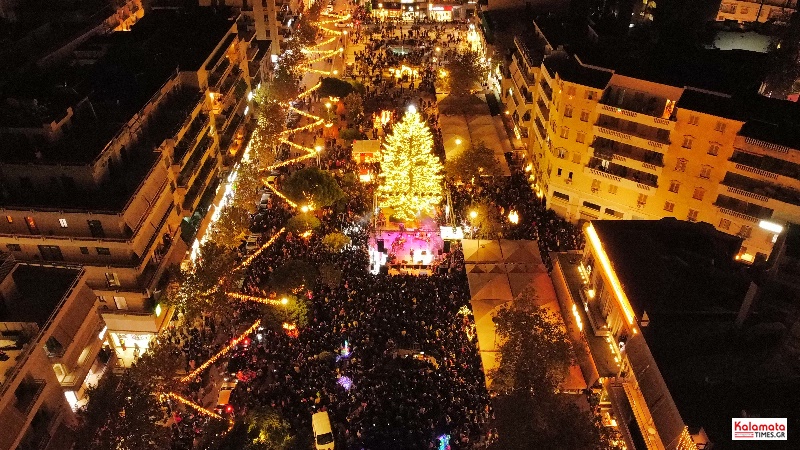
(392, 359)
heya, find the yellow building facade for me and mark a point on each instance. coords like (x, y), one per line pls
(606, 146)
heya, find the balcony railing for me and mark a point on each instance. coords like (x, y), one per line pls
(763, 189)
(27, 393)
(634, 102)
(627, 130)
(644, 180)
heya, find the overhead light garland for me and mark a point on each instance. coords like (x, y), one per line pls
(266, 245)
(222, 352)
(194, 406)
(265, 301)
(280, 194)
(308, 91)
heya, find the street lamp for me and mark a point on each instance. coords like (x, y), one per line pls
(473, 215)
(318, 150)
(513, 217)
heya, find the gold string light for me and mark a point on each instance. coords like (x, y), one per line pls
(304, 113)
(194, 406)
(279, 194)
(266, 245)
(303, 128)
(222, 352)
(262, 300)
(308, 91)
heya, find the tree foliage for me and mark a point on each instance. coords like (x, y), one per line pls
(293, 275)
(335, 87)
(248, 187)
(535, 352)
(471, 164)
(354, 108)
(464, 72)
(487, 220)
(335, 242)
(270, 123)
(412, 179)
(312, 186)
(302, 223)
(231, 227)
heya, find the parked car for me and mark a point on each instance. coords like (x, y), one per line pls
(323, 434)
(224, 399)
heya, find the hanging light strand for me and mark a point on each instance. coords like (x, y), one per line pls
(262, 300)
(222, 352)
(266, 245)
(194, 405)
(279, 194)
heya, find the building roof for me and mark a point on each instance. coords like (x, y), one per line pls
(569, 69)
(41, 289)
(674, 267)
(772, 120)
(714, 103)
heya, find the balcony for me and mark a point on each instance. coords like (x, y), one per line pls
(631, 104)
(544, 111)
(546, 90)
(765, 166)
(27, 393)
(636, 179)
(762, 189)
(633, 133)
(742, 209)
(198, 125)
(199, 184)
(188, 170)
(629, 155)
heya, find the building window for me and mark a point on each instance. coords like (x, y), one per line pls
(558, 172)
(96, 228)
(745, 231)
(641, 201)
(692, 216)
(744, 10)
(580, 137)
(31, 225)
(103, 251)
(564, 132)
(669, 206)
(725, 224)
(63, 223)
(101, 298)
(568, 111)
(51, 253)
(14, 247)
(584, 116)
(112, 279)
(576, 157)
(595, 185)
(698, 193)
(674, 186)
(553, 126)
(120, 302)
(694, 120)
(561, 152)
(612, 188)
(589, 94)
(720, 126)
(593, 206)
(561, 196)
(713, 149)
(680, 165)
(705, 172)
(85, 250)
(569, 176)
(9, 219)
(687, 142)
(571, 91)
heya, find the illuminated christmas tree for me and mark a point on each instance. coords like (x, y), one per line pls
(412, 180)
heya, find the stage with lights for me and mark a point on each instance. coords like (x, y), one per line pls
(412, 251)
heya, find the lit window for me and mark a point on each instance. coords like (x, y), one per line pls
(584, 116)
(674, 186)
(669, 206)
(745, 231)
(564, 132)
(10, 219)
(63, 223)
(568, 111)
(103, 250)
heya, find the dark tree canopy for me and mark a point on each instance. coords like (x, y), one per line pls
(312, 186)
(292, 275)
(464, 72)
(335, 87)
(474, 162)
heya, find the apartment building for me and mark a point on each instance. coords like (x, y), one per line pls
(114, 168)
(652, 302)
(270, 20)
(51, 349)
(607, 146)
(750, 11)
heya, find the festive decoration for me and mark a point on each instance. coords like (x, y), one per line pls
(345, 382)
(290, 329)
(194, 406)
(412, 180)
(464, 310)
(280, 194)
(304, 113)
(325, 56)
(444, 442)
(222, 352)
(250, 298)
(320, 44)
(308, 91)
(266, 245)
(305, 127)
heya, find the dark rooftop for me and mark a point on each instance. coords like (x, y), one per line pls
(772, 120)
(707, 102)
(571, 70)
(41, 290)
(674, 267)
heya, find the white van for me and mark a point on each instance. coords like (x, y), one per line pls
(224, 399)
(323, 434)
(251, 243)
